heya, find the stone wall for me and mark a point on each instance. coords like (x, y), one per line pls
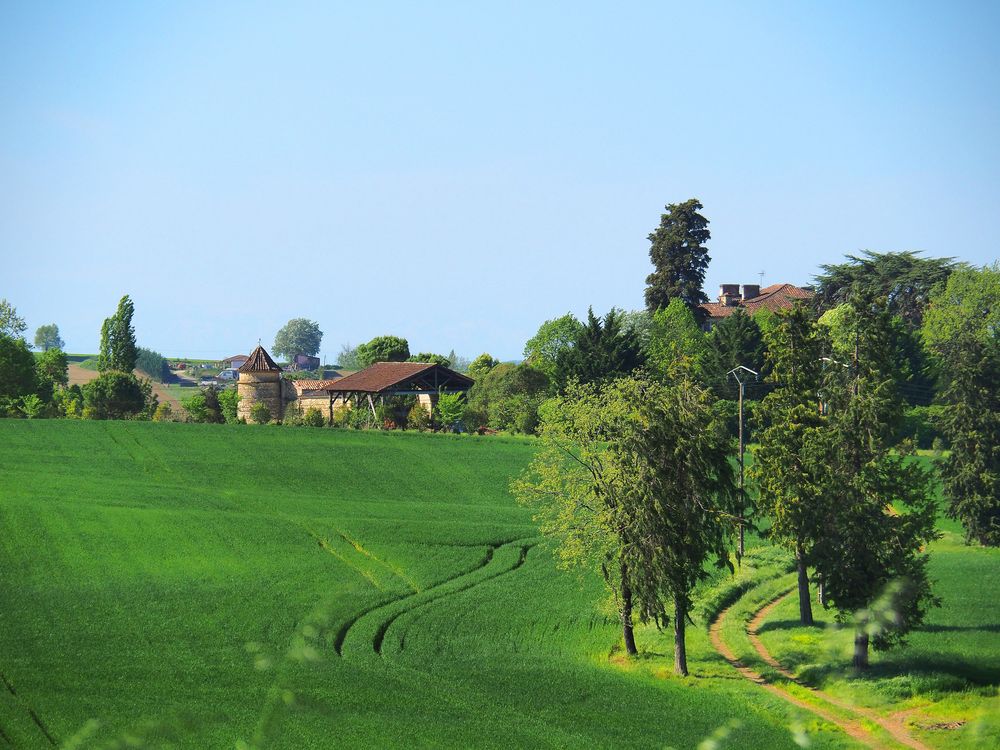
(260, 386)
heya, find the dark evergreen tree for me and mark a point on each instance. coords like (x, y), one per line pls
(604, 349)
(881, 512)
(736, 340)
(971, 423)
(903, 280)
(787, 468)
(679, 258)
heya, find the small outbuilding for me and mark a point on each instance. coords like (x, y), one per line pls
(260, 381)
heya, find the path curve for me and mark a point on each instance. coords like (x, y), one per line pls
(893, 726)
(853, 728)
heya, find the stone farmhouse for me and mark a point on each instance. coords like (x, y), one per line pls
(751, 298)
(260, 381)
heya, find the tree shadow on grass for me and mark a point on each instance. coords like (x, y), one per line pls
(936, 673)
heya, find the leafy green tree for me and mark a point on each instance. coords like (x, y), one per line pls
(679, 258)
(118, 349)
(903, 280)
(881, 507)
(736, 340)
(554, 336)
(53, 365)
(229, 399)
(638, 323)
(47, 337)
(11, 324)
(437, 359)
(676, 340)
(481, 365)
(153, 364)
(204, 406)
(18, 376)
(603, 350)
(969, 303)
(114, 395)
(962, 328)
(297, 336)
(633, 480)
(449, 410)
(383, 349)
(507, 397)
(348, 358)
(458, 363)
(911, 370)
(787, 468)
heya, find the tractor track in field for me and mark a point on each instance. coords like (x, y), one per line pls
(853, 727)
(395, 608)
(36, 720)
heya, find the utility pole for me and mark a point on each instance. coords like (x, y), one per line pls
(735, 373)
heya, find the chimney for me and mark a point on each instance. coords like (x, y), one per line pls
(750, 291)
(729, 295)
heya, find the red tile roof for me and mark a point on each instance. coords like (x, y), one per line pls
(774, 297)
(384, 375)
(260, 361)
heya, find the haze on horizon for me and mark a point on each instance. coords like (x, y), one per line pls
(457, 174)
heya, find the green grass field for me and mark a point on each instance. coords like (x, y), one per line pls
(198, 585)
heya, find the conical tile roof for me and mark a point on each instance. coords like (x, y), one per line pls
(260, 361)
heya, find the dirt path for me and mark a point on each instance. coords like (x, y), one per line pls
(852, 727)
(893, 726)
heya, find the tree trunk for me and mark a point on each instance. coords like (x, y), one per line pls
(860, 650)
(627, 631)
(680, 651)
(805, 605)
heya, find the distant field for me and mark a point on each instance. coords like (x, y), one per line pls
(148, 567)
(181, 582)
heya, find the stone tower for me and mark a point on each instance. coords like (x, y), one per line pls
(260, 380)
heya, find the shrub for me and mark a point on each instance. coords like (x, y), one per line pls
(229, 400)
(260, 413)
(163, 413)
(507, 398)
(313, 417)
(32, 407)
(114, 395)
(449, 410)
(418, 418)
(293, 416)
(920, 425)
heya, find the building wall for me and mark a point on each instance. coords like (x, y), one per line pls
(260, 386)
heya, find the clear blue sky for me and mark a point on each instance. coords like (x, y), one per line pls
(456, 173)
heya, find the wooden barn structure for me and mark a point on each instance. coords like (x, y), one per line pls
(424, 380)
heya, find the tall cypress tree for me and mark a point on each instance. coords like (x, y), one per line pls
(679, 258)
(118, 349)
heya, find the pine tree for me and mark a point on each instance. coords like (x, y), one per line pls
(679, 258)
(869, 556)
(787, 468)
(971, 473)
